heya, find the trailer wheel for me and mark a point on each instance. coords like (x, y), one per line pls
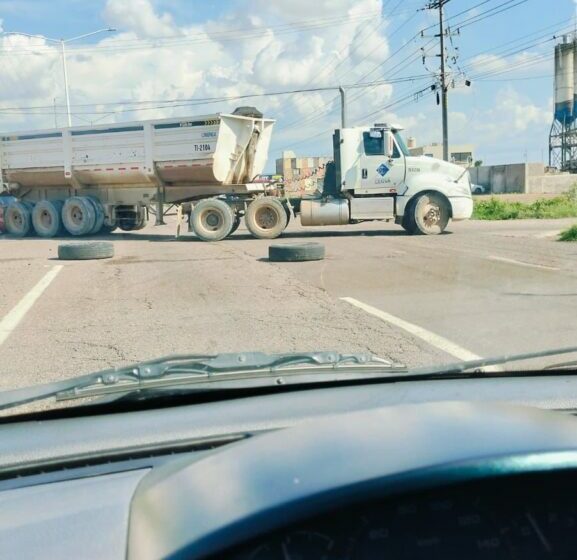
(266, 218)
(46, 218)
(78, 215)
(17, 218)
(99, 213)
(428, 215)
(85, 251)
(212, 219)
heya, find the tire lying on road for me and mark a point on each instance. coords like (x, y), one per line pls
(85, 251)
(212, 219)
(296, 252)
(266, 217)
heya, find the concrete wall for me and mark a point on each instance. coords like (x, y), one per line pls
(500, 178)
(521, 178)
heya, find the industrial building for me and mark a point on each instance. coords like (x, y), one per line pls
(461, 154)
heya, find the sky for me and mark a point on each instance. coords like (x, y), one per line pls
(182, 57)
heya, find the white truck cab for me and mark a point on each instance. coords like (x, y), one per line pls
(375, 161)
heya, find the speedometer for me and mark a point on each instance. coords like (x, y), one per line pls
(439, 528)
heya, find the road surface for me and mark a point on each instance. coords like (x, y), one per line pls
(486, 288)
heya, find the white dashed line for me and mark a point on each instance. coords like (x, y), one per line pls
(521, 263)
(429, 337)
(17, 313)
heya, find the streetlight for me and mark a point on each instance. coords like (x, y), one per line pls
(62, 43)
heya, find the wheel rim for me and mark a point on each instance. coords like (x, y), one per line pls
(432, 217)
(212, 220)
(266, 217)
(45, 219)
(17, 220)
(76, 216)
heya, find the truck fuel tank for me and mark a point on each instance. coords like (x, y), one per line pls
(329, 212)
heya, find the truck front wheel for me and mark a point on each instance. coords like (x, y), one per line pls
(428, 214)
(266, 218)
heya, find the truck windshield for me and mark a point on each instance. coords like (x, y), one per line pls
(401, 143)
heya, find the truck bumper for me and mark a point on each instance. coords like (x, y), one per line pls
(462, 207)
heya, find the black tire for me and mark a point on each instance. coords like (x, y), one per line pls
(212, 219)
(288, 213)
(266, 218)
(47, 218)
(235, 225)
(78, 215)
(107, 230)
(428, 214)
(405, 222)
(85, 251)
(18, 218)
(296, 252)
(99, 212)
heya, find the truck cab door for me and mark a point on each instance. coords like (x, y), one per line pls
(382, 163)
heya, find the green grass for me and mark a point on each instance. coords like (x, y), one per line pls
(563, 206)
(569, 234)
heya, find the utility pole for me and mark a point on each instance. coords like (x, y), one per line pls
(439, 5)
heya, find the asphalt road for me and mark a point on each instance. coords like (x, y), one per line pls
(485, 288)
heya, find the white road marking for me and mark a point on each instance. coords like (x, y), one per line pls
(17, 313)
(429, 337)
(521, 263)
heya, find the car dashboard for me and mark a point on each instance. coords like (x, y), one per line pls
(350, 478)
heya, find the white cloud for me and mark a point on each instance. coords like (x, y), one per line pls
(138, 16)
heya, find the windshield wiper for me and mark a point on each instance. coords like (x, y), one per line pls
(201, 372)
(204, 372)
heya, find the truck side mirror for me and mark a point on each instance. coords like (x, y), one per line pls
(389, 146)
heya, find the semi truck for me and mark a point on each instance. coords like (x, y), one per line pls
(89, 180)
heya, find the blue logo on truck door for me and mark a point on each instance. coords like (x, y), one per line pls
(382, 170)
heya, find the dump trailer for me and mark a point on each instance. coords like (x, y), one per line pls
(87, 180)
(90, 179)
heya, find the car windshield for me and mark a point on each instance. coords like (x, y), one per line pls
(227, 183)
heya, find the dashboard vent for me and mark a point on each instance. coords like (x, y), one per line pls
(114, 461)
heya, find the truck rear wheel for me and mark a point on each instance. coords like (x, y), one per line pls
(212, 219)
(46, 218)
(427, 215)
(78, 215)
(266, 218)
(17, 219)
(99, 213)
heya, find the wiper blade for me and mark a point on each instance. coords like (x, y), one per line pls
(482, 365)
(252, 369)
(201, 371)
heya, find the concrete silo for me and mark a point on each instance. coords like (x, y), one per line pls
(563, 135)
